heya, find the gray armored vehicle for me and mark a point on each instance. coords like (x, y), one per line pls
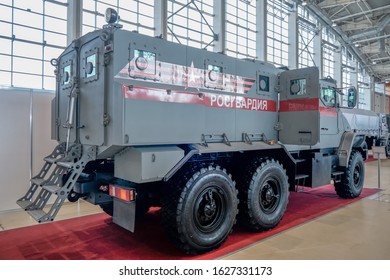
(210, 139)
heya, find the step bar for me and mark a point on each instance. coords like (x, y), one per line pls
(46, 184)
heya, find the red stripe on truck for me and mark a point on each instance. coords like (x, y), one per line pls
(207, 99)
(299, 105)
(328, 112)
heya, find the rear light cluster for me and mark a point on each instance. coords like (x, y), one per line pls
(122, 193)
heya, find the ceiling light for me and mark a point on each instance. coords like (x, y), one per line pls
(334, 24)
(304, 3)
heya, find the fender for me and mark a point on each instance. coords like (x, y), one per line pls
(349, 140)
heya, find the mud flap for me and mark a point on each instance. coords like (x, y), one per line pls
(124, 214)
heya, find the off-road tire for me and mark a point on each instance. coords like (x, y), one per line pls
(200, 208)
(351, 184)
(263, 193)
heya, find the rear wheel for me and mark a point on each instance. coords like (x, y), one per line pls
(264, 195)
(200, 210)
(351, 184)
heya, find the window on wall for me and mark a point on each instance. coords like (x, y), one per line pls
(347, 68)
(364, 101)
(328, 53)
(32, 33)
(191, 23)
(241, 28)
(134, 15)
(277, 32)
(307, 31)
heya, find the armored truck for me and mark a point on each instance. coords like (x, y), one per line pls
(210, 139)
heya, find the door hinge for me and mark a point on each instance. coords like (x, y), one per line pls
(106, 119)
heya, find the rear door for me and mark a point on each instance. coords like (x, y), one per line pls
(92, 89)
(67, 65)
(299, 110)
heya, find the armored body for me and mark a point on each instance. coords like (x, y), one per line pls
(210, 139)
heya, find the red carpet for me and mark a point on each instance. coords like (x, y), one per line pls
(96, 237)
(370, 158)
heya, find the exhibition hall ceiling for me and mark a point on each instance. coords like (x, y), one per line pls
(364, 25)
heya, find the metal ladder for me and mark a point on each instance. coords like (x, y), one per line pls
(300, 179)
(67, 169)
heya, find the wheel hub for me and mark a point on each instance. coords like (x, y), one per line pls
(269, 196)
(209, 210)
(356, 176)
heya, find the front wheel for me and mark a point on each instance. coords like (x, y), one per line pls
(351, 184)
(201, 210)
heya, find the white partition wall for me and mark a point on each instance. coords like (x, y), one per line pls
(42, 145)
(25, 124)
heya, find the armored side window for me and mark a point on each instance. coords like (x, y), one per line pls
(90, 69)
(328, 95)
(143, 65)
(214, 76)
(298, 87)
(66, 74)
(263, 83)
(91, 63)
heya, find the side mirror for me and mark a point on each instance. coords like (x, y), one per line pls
(352, 97)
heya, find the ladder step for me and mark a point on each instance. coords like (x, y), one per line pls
(37, 181)
(66, 164)
(337, 173)
(37, 215)
(24, 203)
(297, 160)
(50, 159)
(336, 176)
(51, 188)
(301, 176)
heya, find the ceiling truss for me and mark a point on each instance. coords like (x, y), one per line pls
(364, 26)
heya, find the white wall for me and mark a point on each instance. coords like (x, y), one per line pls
(18, 152)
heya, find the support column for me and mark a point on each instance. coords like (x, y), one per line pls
(293, 38)
(338, 65)
(261, 28)
(354, 78)
(219, 24)
(372, 93)
(75, 20)
(160, 18)
(317, 55)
